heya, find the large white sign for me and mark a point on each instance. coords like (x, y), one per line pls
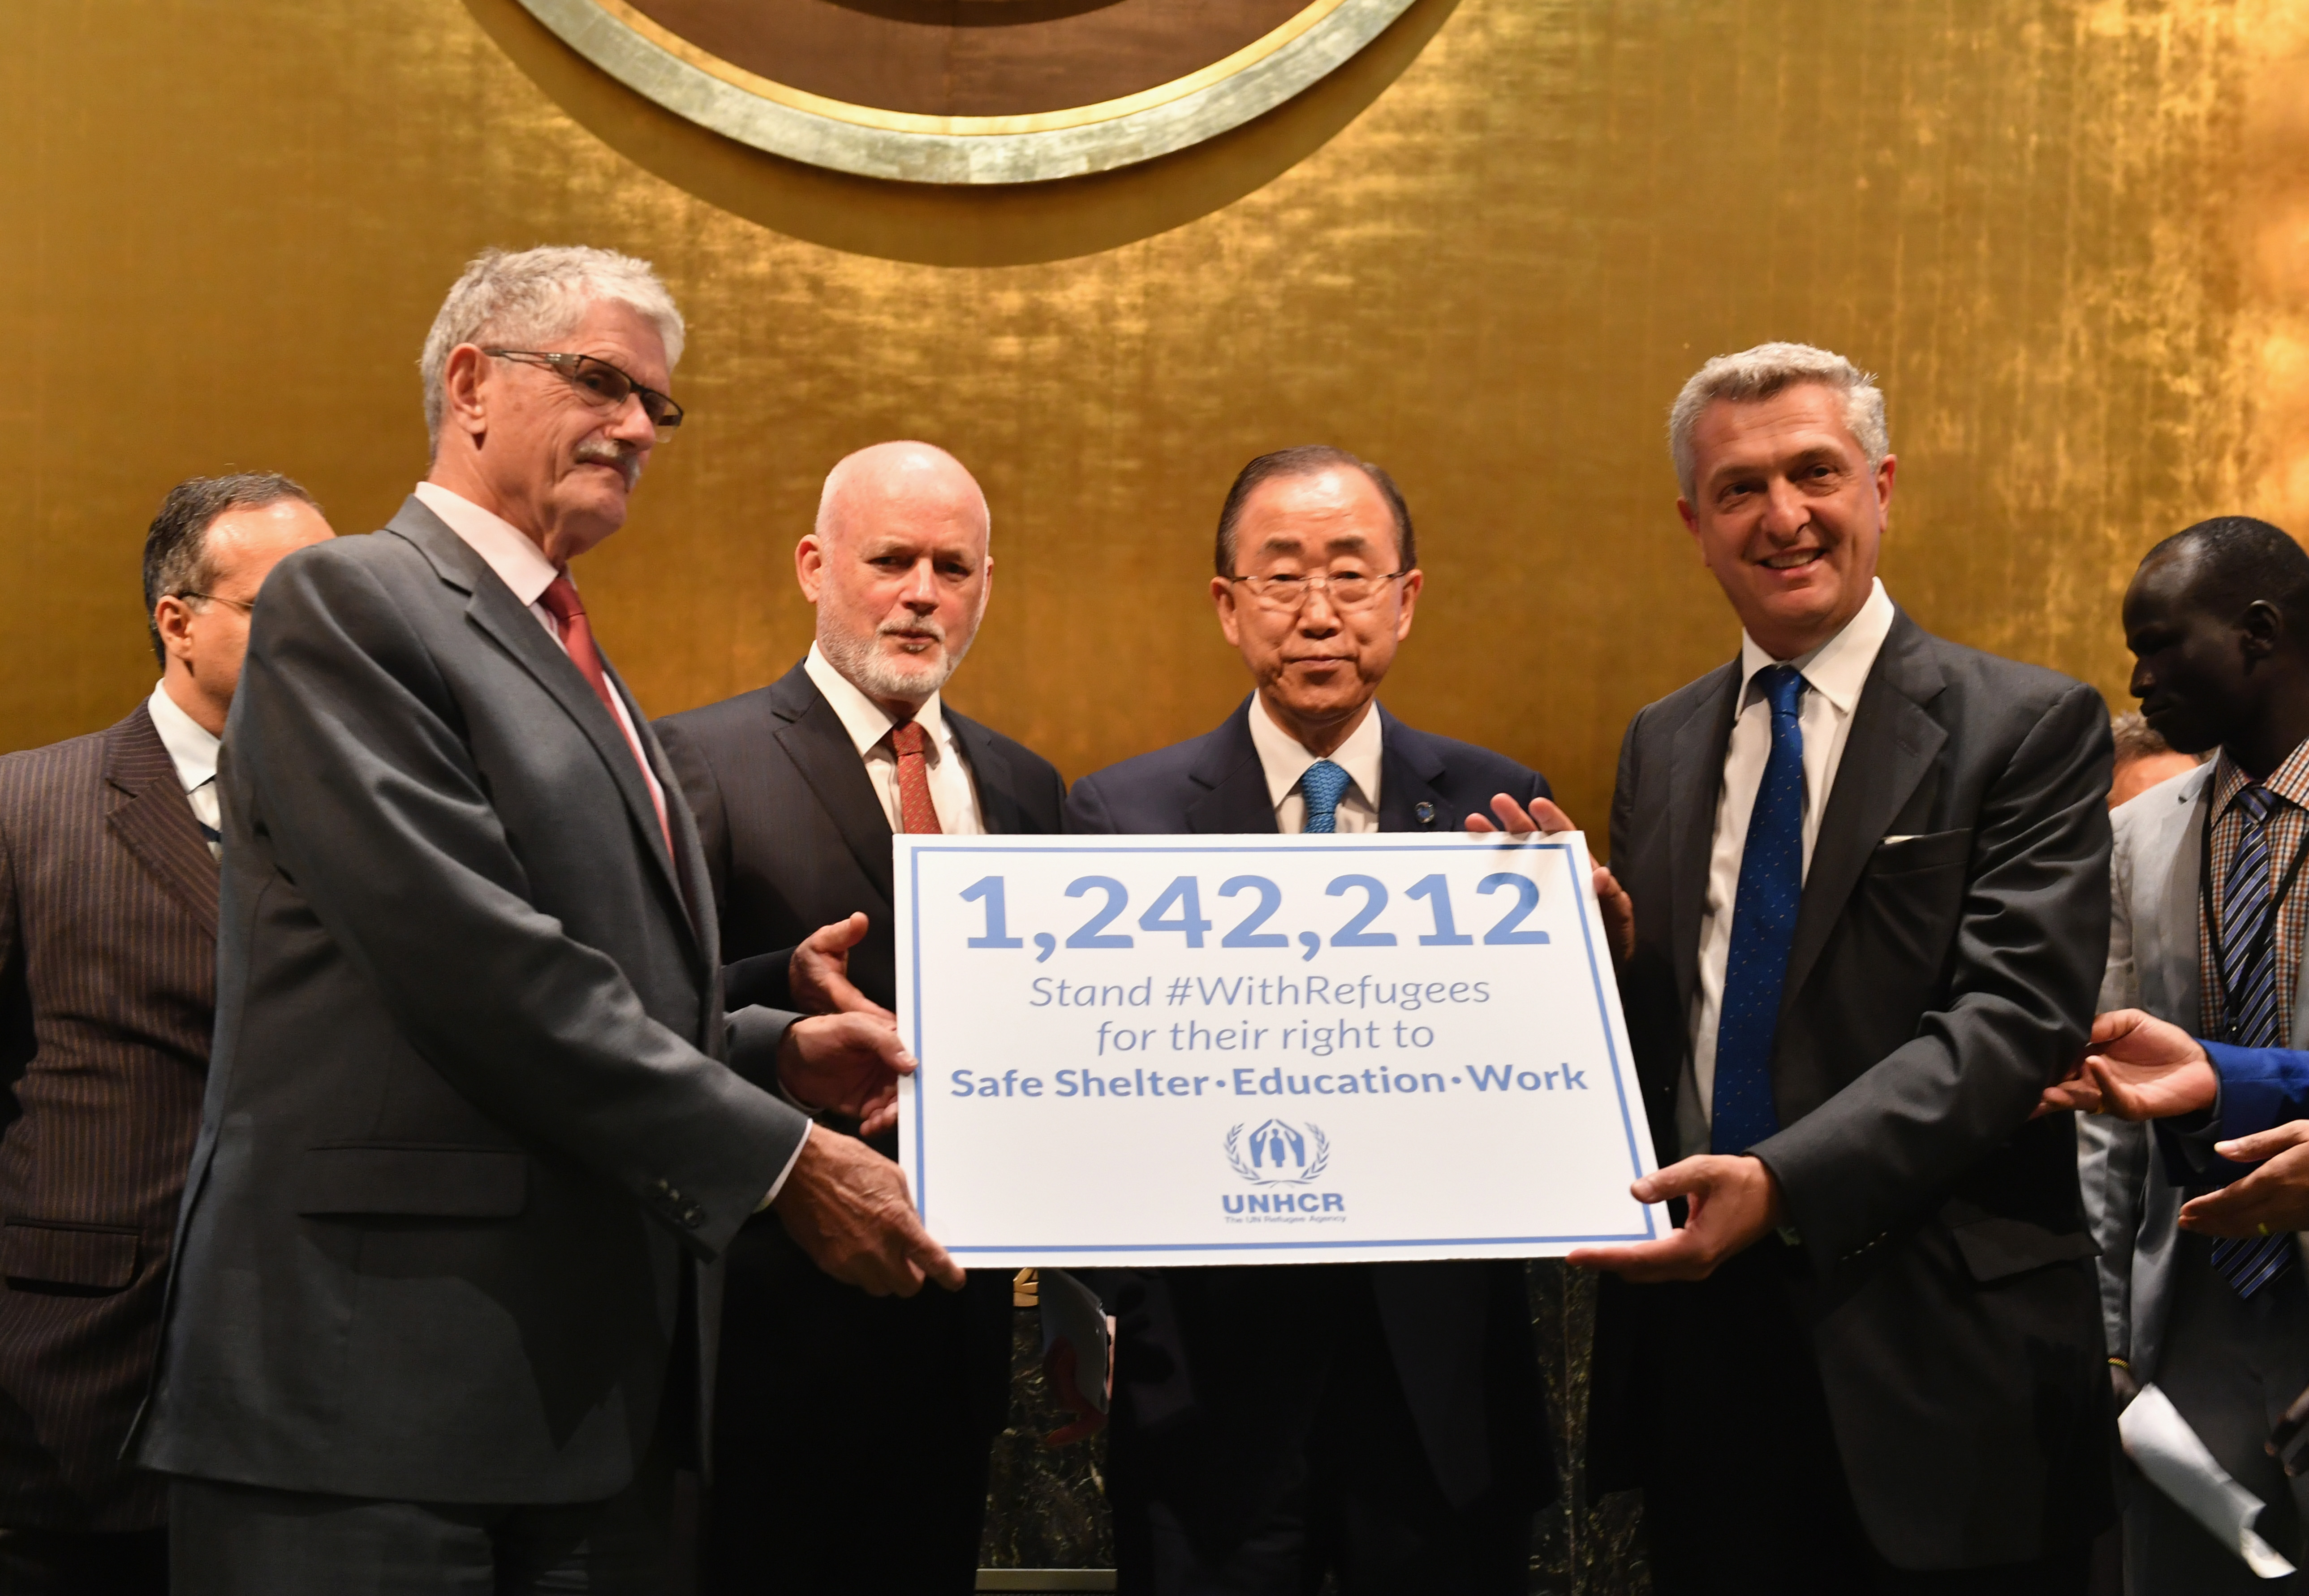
(1270, 1050)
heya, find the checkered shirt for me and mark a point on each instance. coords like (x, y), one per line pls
(2289, 826)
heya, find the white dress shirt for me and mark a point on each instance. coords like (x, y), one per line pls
(1284, 762)
(522, 566)
(193, 750)
(954, 796)
(1833, 673)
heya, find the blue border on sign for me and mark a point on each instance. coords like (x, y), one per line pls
(1596, 977)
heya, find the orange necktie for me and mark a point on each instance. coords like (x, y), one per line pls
(914, 805)
(561, 603)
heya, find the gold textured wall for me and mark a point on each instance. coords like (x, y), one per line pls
(2074, 236)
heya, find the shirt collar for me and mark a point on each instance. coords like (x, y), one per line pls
(519, 563)
(192, 746)
(863, 718)
(1838, 669)
(2289, 782)
(1284, 760)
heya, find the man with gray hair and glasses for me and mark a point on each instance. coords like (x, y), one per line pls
(477, 1118)
(1871, 877)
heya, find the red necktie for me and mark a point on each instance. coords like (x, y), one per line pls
(914, 805)
(561, 603)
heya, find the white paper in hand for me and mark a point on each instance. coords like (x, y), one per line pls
(2163, 1446)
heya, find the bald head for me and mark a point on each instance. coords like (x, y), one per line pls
(904, 479)
(898, 568)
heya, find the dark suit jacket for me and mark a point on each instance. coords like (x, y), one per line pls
(1936, 985)
(108, 984)
(795, 838)
(467, 1113)
(1233, 1381)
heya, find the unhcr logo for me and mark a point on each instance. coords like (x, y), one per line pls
(1278, 1153)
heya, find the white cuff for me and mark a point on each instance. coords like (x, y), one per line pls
(771, 1195)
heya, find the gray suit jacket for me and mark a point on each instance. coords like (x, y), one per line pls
(2152, 964)
(1953, 921)
(467, 1126)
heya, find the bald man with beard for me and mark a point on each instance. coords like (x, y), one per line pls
(798, 788)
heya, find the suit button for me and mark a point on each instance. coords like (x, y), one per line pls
(673, 1197)
(660, 1188)
(692, 1217)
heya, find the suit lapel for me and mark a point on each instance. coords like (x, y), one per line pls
(1695, 784)
(1892, 744)
(815, 739)
(1235, 800)
(2174, 961)
(990, 774)
(152, 819)
(693, 881)
(1409, 768)
(492, 607)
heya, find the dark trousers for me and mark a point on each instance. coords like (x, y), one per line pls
(2230, 1364)
(852, 1433)
(249, 1540)
(75, 1563)
(1746, 1490)
(1364, 1507)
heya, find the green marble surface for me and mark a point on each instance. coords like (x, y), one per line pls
(1047, 1508)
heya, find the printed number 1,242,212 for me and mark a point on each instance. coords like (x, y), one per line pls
(1180, 908)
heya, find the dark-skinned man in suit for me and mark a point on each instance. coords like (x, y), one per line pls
(1380, 1423)
(798, 788)
(1870, 872)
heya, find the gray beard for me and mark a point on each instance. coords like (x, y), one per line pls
(866, 668)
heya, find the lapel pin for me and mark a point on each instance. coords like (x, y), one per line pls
(1426, 813)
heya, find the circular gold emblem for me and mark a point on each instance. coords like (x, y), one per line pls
(968, 91)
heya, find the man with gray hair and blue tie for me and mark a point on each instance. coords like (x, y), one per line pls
(1870, 876)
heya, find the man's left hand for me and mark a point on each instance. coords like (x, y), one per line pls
(1544, 818)
(2273, 1198)
(1735, 1201)
(848, 1063)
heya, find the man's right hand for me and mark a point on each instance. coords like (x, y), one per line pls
(2137, 1067)
(819, 973)
(847, 1207)
(1545, 817)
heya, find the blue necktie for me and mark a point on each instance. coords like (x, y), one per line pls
(1323, 786)
(2255, 1018)
(1763, 924)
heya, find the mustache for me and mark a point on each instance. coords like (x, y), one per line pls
(913, 631)
(622, 458)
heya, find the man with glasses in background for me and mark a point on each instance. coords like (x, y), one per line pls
(1382, 1422)
(108, 986)
(477, 1118)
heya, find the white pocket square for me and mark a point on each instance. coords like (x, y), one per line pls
(1909, 837)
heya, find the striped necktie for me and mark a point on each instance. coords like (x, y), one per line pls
(2248, 960)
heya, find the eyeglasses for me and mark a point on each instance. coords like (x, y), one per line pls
(249, 605)
(600, 382)
(1346, 590)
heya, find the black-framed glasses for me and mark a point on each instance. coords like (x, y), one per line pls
(600, 382)
(247, 606)
(1346, 590)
